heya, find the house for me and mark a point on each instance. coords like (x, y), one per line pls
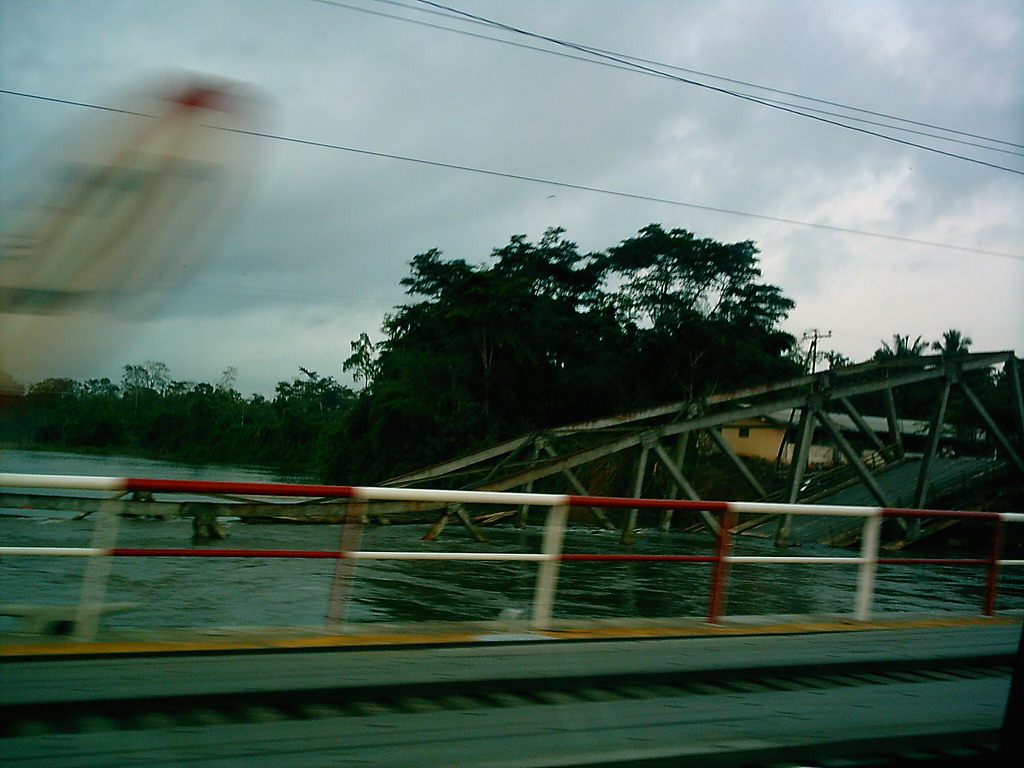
(773, 437)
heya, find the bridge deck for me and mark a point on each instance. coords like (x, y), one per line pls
(727, 699)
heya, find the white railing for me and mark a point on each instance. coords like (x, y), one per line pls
(548, 559)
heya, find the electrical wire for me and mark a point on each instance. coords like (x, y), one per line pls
(630, 68)
(835, 104)
(549, 182)
(914, 131)
(717, 89)
(453, 14)
(764, 101)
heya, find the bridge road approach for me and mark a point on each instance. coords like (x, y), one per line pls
(761, 699)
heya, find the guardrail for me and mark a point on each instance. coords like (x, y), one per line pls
(548, 559)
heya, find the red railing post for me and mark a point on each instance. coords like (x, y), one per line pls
(992, 582)
(720, 569)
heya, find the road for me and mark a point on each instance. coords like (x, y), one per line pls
(723, 700)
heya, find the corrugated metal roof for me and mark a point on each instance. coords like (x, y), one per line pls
(878, 424)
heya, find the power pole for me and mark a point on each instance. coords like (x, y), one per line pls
(812, 353)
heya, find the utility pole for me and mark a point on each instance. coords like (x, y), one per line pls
(812, 353)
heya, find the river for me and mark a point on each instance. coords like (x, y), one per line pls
(214, 592)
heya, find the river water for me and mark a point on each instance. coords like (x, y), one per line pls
(216, 592)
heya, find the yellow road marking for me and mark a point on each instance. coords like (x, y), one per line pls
(73, 648)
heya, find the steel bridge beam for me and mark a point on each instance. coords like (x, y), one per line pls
(811, 395)
(851, 456)
(684, 484)
(934, 433)
(797, 469)
(740, 465)
(993, 428)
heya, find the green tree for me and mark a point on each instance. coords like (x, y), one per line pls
(153, 415)
(536, 338)
(901, 347)
(952, 343)
(226, 382)
(363, 361)
(836, 359)
(667, 273)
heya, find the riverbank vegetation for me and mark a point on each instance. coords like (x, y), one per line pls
(539, 335)
(148, 413)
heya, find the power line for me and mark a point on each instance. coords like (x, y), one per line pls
(629, 68)
(800, 110)
(73, 103)
(455, 14)
(539, 180)
(865, 121)
(717, 89)
(834, 104)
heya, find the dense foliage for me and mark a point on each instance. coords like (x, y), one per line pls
(545, 335)
(150, 414)
(541, 335)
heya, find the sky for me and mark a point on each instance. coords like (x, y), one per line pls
(906, 241)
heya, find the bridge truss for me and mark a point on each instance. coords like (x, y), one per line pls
(658, 440)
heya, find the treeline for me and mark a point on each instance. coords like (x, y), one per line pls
(538, 336)
(541, 335)
(148, 413)
(993, 388)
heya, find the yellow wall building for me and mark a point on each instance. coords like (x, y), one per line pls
(761, 438)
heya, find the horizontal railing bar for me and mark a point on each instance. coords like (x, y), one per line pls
(770, 508)
(413, 495)
(520, 556)
(934, 561)
(56, 551)
(328, 554)
(317, 554)
(744, 559)
(639, 558)
(71, 482)
(643, 503)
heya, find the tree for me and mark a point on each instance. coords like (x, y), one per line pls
(363, 361)
(901, 347)
(536, 338)
(153, 376)
(153, 415)
(553, 268)
(952, 343)
(671, 272)
(226, 382)
(9, 386)
(836, 359)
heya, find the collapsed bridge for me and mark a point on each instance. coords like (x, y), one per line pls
(886, 460)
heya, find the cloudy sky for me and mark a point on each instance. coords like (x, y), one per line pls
(314, 255)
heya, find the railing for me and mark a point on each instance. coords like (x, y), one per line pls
(548, 559)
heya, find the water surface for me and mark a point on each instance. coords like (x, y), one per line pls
(210, 592)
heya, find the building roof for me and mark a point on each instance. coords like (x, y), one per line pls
(878, 424)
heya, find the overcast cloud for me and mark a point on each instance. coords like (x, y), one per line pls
(315, 255)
